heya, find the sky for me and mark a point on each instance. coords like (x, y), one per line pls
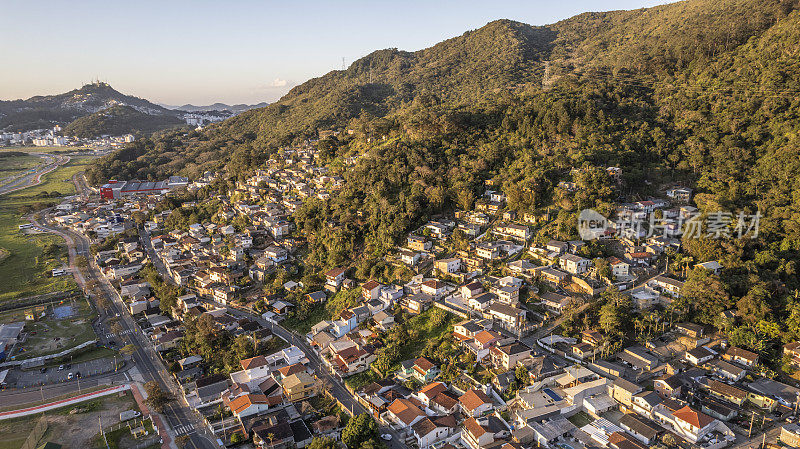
(232, 51)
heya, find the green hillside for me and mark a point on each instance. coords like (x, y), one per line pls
(704, 92)
(118, 120)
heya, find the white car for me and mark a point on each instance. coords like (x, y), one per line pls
(386, 437)
(69, 376)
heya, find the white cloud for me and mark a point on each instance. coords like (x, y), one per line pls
(277, 82)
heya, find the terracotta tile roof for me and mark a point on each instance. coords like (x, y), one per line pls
(244, 401)
(287, 371)
(473, 399)
(474, 428)
(369, 285)
(432, 389)
(405, 411)
(693, 417)
(446, 400)
(434, 284)
(334, 272)
(424, 364)
(484, 337)
(254, 362)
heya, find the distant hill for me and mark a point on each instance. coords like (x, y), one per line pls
(236, 108)
(118, 120)
(469, 82)
(46, 111)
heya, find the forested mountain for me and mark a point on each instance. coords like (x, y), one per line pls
(118, 120)
(705, 92)
(235, 108)
(46, 111)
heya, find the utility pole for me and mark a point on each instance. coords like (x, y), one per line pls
(750, 431)
(99, 422)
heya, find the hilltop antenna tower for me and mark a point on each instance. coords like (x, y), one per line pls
(344, 67)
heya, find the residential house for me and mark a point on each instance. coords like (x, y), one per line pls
(430, 430)
(623, 392)
(555, 302)
(448, 266)
(668, 386)
(666, 285)
(470, 290)
(508, 356)
(418, 243)
(619, 267)
(573, 264)
(690, 424)
(740, 356)
(435, 288)
(698, 355)
(421, 369)
(475, 403)
(299, 386)
(727, 370)
(509, 317)
(409, 257)
(482, 432)
(334, 277)
(727, 392)
(371, 290)
(404, 413)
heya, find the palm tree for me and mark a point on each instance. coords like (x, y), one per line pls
(270, 437)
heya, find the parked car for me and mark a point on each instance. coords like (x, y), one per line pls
(69, 376)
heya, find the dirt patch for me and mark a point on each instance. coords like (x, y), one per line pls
(73, 426)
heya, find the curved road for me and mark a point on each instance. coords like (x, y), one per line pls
(333, 384)
(35, 177)
(176, 414)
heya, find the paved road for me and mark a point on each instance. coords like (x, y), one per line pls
(35, 177)
(333, 384)
(24, 396)
(54, 375)
(178, 415)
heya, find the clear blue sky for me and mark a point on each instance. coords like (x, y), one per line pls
(176, 51)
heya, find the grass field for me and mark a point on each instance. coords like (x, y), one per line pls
(25, 271)
(42, 149)
(52, 335)
(71, 426)
(14, 165)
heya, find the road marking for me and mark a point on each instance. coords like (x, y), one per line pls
(121, 333)
(181, 430)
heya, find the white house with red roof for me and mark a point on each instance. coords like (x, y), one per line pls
(691, 424)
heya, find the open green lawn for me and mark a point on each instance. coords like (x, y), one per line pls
(51, 149)
(52, 335)
(14, 165)
(28, 260)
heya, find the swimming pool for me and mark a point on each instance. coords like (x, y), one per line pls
(552, 394)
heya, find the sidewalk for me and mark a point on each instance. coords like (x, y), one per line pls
(63, 402)
(157, 421)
